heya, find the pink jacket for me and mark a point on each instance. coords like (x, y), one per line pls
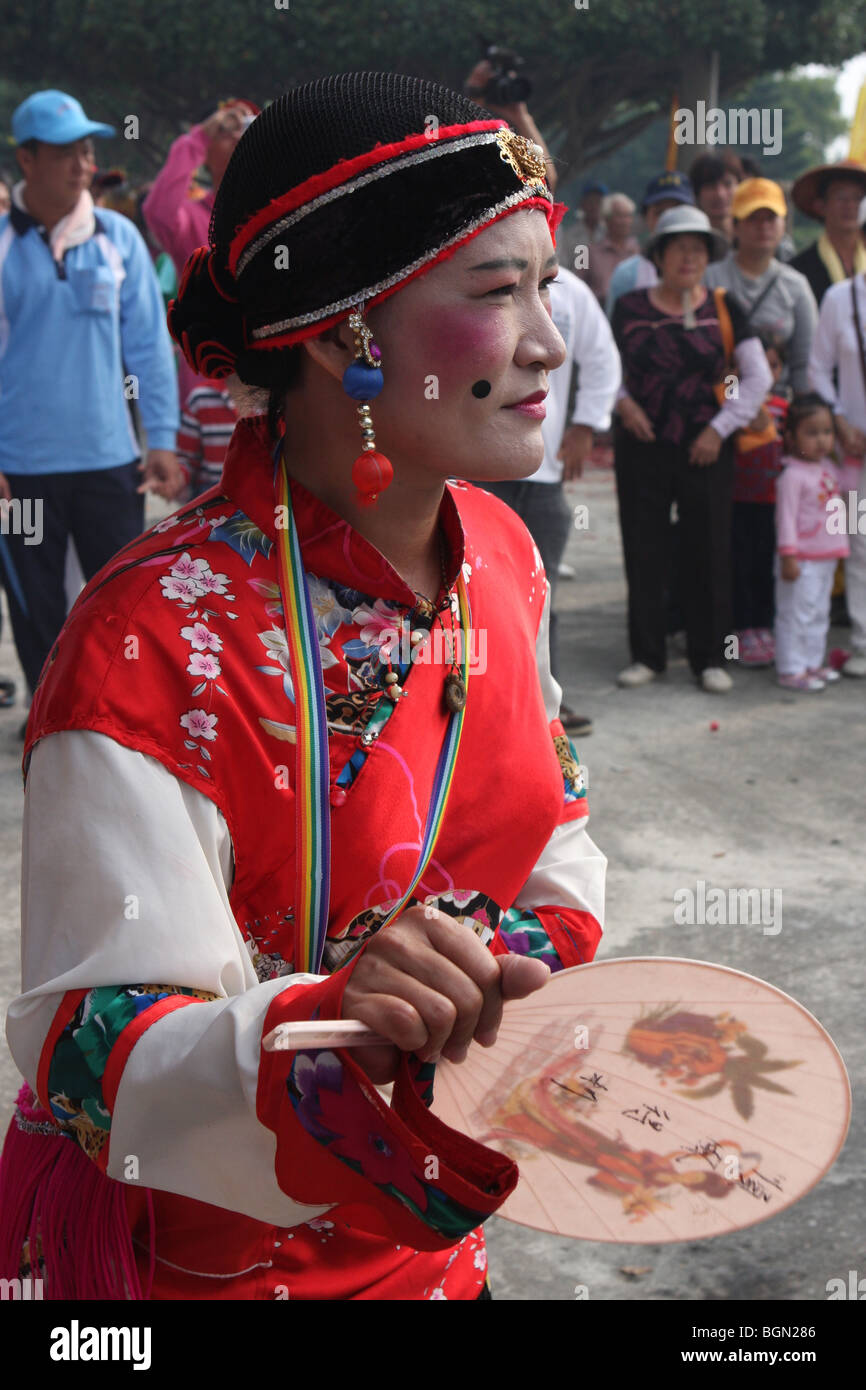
(180, 223)
(802, 493)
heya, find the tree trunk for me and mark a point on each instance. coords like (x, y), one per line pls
(699, 81)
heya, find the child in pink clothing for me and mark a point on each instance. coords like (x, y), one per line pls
(807, 551)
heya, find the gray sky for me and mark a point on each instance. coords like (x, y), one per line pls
(848, 83)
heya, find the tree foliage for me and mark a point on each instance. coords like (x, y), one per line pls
(811, 121)
(601, 73)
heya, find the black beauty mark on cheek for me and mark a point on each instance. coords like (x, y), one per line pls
(481, 389)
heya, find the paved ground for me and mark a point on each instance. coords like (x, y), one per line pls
(773, 799)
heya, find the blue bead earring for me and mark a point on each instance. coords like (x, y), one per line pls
(363, 380)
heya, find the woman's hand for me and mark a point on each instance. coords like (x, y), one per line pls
(853, 441)
(427, 983)
(635, 420)
(227, 122)
(705, 449)
(789, 568)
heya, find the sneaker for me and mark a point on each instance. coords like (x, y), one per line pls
(716, 681)
(565, 571)
(636, 674)
(825, 674)
(805, 681)
(752, 650)
(577, 724)
(855, 665)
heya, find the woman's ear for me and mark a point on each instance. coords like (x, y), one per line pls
(334, 349)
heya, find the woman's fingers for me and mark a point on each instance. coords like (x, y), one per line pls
(463, 948)
(521, 976)
(428, 985)
(444, 963)
(389, 1015)
(418, 1017)
(381, 1063)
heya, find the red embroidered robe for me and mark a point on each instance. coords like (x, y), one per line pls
(177, 650)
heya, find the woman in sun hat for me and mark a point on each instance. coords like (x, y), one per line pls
(265, 781)
(678, 343)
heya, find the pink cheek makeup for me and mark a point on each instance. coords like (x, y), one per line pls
(465, 344)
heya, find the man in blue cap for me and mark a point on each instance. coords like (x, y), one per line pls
(585, 227)
(82, 333)
(667, 190)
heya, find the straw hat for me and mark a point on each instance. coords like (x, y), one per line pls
(811, 186)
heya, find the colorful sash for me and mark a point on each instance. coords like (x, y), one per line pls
(312, 776)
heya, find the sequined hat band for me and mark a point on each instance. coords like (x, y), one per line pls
(339, 193)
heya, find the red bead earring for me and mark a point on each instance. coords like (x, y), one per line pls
(363, 380)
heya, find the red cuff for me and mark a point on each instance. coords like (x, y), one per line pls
(395, 1171)
(573, 933)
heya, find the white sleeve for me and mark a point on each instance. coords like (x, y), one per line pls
(125, 879)
(754, 380)
(824, 354)
(599, 369)
(550, 689)
(570, 872)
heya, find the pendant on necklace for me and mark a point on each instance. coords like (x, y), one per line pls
(455, 692)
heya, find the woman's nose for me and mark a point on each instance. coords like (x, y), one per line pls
(550, 348)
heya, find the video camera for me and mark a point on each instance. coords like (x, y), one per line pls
(506, 85)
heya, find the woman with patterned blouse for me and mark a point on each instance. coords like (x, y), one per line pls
(673, 443)
(316, 697)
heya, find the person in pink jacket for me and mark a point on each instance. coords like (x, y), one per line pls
(807, 547)
(178, 220)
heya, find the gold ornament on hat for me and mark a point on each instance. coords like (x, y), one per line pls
(525, 158)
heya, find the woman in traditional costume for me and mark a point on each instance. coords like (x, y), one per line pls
(295, 754)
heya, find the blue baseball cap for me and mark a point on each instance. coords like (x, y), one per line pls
(593, 186)
(670, 186)
(54, 117)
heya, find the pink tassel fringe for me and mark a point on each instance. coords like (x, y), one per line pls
(74, 1217)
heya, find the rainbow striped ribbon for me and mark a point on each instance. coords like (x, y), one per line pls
(312, 779)
(444, 774)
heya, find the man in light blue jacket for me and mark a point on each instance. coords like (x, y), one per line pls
(82, 334)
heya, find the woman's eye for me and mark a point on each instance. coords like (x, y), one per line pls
(509, 289)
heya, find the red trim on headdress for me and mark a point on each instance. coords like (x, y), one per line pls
(232, 298)
(343, 172)
(557, 212)
(311, 330)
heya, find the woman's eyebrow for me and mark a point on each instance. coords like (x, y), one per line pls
(511, 263)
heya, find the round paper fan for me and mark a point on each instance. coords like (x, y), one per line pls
(649, 1100)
